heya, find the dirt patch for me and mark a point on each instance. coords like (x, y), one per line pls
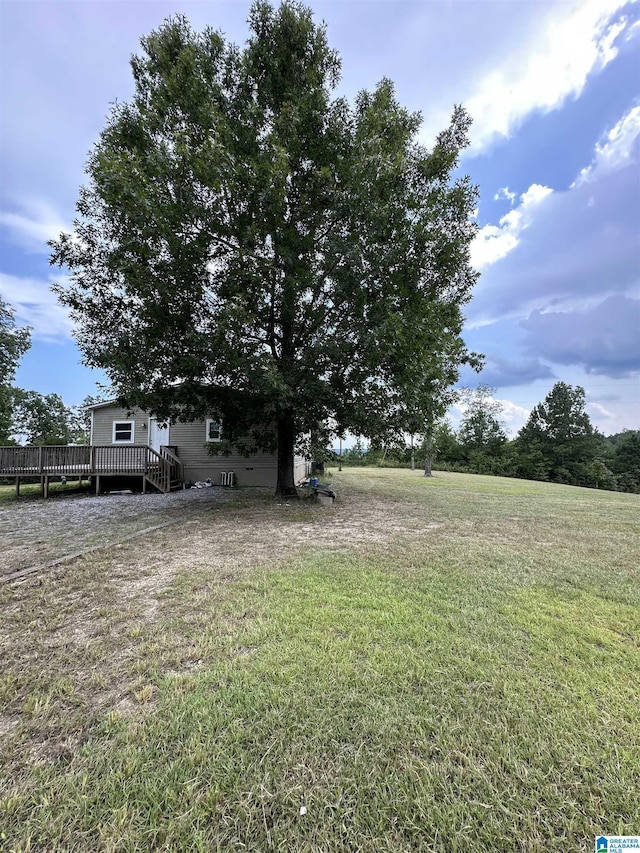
(109, 624)
(37, 532)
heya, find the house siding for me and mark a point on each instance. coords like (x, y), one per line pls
(199, 464)
(188, 439)
(104, 417)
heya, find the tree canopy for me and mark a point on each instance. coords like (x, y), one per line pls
(14, 342)
(250, 244)
(559, 429)
(45, 419)
(625, 459)
(481, 433)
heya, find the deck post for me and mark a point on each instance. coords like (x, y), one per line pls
(40, 459)
(17, 487)
(144, 485)
(92, 460)
(97, 484)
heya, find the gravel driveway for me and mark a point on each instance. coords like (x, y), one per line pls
(39, 531)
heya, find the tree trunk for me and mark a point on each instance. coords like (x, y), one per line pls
(285, 486)
(428, 456)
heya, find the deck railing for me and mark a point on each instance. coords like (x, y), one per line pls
(176, 472)
(29, 461)
(131, 459)
(162, 469)
(157, 469)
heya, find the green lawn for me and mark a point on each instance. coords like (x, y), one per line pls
(466, 681)
(33, 491)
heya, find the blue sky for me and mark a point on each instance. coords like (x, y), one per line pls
(554, 89)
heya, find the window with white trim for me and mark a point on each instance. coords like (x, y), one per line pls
(213, 430)
(123, 432)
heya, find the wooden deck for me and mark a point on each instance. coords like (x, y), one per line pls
(163, 470)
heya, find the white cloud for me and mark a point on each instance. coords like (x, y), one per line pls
(513, 416)
(554, 66)
(496, 241)
(37, 223)
(534, 194)
(616, 150)
(584, 247)
(505, 192)
(597, 410)
(36, 306)
(633, 31)
(570, 257)
(490, 244)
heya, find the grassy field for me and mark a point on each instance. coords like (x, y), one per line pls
(33, 491)
(446, 664)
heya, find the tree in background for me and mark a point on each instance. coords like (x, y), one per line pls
(45, 419)
(28, 415)
(481, 434)
(14, 342)
(446, 446)
(248, 245)
(355, 455)
(440, 448)
(526, 461)
(80, 419)
(598, 475)
(559, 431)
(623, 459)
(42, 418)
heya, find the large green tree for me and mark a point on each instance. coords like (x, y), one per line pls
(481, 433)
(43, 418)
(14, 342)
(624, 459)
(249, 244)
(559, 431)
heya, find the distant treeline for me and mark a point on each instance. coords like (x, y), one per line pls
(558, 444)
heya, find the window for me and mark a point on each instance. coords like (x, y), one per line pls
(213, 430)
(123, 432)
